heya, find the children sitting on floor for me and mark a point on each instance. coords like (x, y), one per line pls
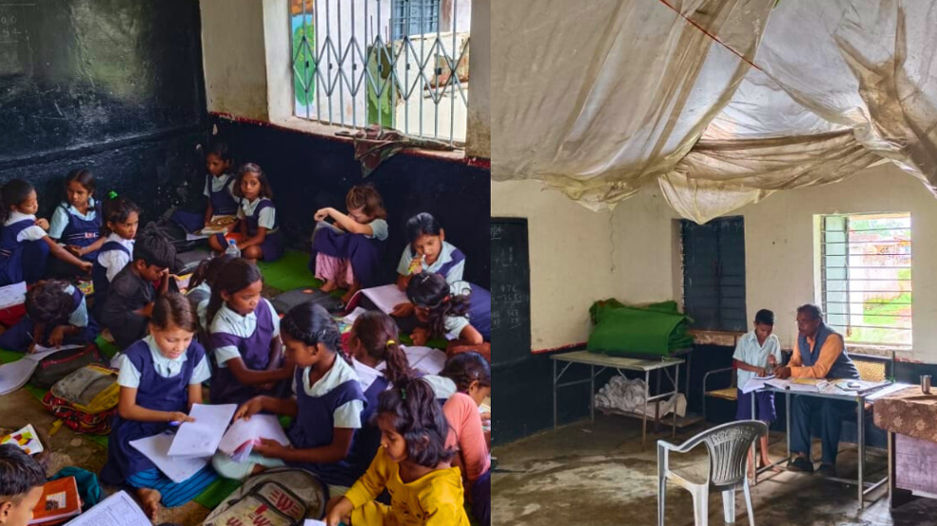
(440, 313)
(56, 314)
(243, 335)
(326, 405)
(130, 297)
(351, 259)
(21, 481)
(121, 218)
(427, 251)
(412, 464)
(472, 376)
(755, 353)
(160, 378)
(218, 189)
(257, 217)
(76, 222)
(24, 243)
(200, 283)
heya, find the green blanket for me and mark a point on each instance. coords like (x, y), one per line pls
(657, 329)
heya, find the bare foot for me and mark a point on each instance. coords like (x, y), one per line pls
(329, 286)
(149, 498)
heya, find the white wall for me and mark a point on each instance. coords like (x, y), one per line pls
(233, 57)
(633, 252)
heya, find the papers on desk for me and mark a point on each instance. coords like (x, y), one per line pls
(803, 385)
(859, 386)
(117, 510)
(755, 383)
(201, 437)
(178, 469)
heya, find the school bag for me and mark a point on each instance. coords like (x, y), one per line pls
(86, 400)
(56, 366)
(275, 497)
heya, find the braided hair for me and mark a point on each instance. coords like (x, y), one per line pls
(431, 291)
(418, 417)
(378, 334)
(311, 324)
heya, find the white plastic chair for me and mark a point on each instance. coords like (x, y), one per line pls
(728, 446)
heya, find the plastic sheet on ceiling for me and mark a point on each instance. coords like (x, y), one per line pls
(600, 102)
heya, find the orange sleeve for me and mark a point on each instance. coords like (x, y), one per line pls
(795, 357)
(832, 348)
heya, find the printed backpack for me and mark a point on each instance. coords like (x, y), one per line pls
(275, 497)
(85, 400)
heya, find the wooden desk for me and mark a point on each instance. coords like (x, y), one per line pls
(619, 363)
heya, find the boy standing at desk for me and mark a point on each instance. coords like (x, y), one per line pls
(755, 352)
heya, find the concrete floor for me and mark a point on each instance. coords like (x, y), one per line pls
(598, 474)
(67, 448)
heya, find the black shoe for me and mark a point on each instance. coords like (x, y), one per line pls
(827, 470)
(800, 464)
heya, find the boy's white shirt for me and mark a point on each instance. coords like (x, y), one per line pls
(748, 350)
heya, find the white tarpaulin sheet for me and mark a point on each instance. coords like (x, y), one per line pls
(719, 102)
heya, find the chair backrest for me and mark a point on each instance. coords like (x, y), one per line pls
(728, 446)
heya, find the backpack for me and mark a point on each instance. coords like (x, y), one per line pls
(275, 497)
(53, 368)
(86, 400)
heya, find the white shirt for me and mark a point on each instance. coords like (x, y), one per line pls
(129, 376)
(60, 217)
(201, 309)
(215, 184)
(30, 233)
(347, 415)
(454, 326)
(379, 230)
(115, 260)
(442, 387)
(79, 316)
(230, 322)
(748, 350)
(267, 216)
(445, 256)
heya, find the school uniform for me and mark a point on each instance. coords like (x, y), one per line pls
(450, 263)
(434, 498)
(70, 227)
(23, 251)
(20, 336)
(245, 337)
(260, 213)
(199, 296)
(127, 293)
(466, 435)
(749, 351)
(363, 253)
(162, 385)
(220, 193)
(113, 256)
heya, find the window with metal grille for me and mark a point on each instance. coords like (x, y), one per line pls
(400, 64)
(865, 266)
(714, 273)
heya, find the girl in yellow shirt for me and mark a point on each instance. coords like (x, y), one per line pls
(412, 464)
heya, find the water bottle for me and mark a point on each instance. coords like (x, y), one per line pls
(233, 249)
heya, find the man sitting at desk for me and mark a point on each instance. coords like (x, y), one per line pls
(818, 353)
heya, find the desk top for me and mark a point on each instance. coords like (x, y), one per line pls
(619, 362)
(908, 411)
(832, 391)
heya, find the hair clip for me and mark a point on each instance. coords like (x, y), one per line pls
(112, 195)
(391, 342)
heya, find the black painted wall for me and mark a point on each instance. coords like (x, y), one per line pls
(308, 172)
(114, 85)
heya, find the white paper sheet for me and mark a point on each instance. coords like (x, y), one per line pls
(794, 386)
(353, 315)
(385, 297)
(13, 294)
(425, 359)
(117, 510)
(14, 375)
(243, 431)
(313, 522)
(195, 237)
(200, 438)
(41, 351)
(755, 383)
(178, 469)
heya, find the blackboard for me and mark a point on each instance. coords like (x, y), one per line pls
(79, 75)
(510, 291)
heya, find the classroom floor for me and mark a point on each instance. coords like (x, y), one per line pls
(598, 474)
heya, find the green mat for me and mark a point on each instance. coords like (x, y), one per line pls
(216, 492)
(289, 272)
(657, 329)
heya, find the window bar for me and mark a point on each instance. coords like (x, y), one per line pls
(352, 44)
(847, 273)
(330, 87)
(453, 70)
(405, 48)
(341, 62)
(437, 72)
(318, 77)
(380, 66)
(421, 79)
